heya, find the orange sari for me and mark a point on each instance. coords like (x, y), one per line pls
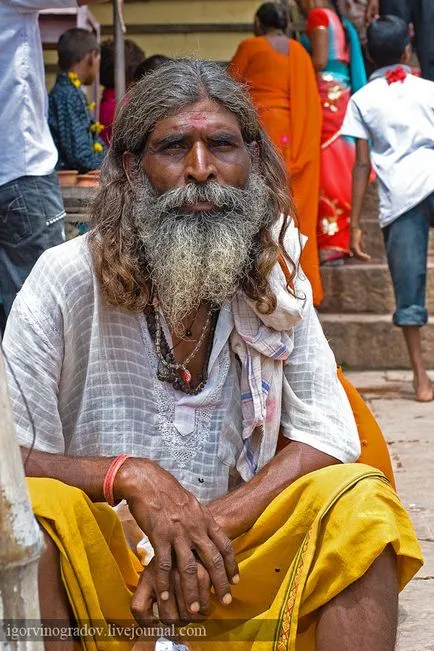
(294, 127)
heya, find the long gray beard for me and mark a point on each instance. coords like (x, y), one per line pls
(199, 257)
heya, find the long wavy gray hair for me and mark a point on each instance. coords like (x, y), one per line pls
(119, 260)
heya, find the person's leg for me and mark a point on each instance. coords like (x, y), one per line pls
(406, 241)
(423, 21)
(364, 616)
(53, 600)
(422, 383)
(401, 8)
(31, 221)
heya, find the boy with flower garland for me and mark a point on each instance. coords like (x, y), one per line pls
(394, 115)
(74, 132)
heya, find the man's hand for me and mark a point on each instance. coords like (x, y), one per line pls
(180, 530)
(357, 246)
(175, 609)
(372, 11)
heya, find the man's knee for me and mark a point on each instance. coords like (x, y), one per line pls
(49, 562)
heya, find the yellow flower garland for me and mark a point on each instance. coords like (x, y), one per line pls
(96, 127)
(73, 78)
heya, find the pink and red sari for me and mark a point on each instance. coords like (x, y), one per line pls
(343, 74)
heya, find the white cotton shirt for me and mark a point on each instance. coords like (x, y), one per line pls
(88, 372)
(398, 119)
(26, 145)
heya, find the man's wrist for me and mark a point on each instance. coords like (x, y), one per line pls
(131, 477)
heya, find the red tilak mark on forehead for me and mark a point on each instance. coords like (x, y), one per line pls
(197, 119)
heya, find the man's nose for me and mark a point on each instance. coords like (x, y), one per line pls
(199, 165)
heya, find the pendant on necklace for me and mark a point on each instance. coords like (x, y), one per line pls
(186, 375)
(188, 333)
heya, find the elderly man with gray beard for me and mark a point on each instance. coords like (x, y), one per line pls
(172, 360)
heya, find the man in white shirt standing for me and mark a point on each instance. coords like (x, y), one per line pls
(393, 114)
(31, 206)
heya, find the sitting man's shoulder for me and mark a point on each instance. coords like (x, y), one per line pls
(63, 271)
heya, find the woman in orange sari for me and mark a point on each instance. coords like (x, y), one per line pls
(281, 81)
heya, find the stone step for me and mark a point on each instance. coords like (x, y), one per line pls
(371, 341)
(364, 287)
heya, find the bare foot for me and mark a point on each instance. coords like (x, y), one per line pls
(424, 389)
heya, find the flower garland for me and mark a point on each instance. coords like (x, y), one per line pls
(73, 78)
(95, 126)
(395, 75)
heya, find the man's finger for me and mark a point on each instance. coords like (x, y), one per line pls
(143, 599)
(204, 590)
(187, 568)
(185, 615)
(225, 547)
(360, 253)
(214, 563)
(163, 567)
(168, 610)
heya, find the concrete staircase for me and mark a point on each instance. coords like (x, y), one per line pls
(356, 313)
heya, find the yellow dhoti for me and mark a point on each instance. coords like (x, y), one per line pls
(317, 537)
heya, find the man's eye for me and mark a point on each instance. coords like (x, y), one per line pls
(174, 146)
(220, 144)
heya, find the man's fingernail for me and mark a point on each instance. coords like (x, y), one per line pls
(195, 607)
(227, 599)
(236, 579)
(164, 596)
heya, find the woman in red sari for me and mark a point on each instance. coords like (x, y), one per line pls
(337, 57)
(282, 85)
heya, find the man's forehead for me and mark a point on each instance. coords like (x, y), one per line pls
(205, 114)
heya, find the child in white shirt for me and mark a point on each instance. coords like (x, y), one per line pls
(392, 120)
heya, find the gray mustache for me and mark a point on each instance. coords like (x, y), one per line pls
(220, 196)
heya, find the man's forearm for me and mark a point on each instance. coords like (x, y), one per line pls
(86, 473)
(239, 510)
(361, 172)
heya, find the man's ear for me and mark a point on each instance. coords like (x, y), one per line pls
(406, 55)
(90, 59)
(129, 163)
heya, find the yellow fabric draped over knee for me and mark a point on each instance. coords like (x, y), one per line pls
(317, 537)
(99, 571)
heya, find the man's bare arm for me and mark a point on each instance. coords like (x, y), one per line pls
(174, 520)
(361, 173)
(86, 473)
(239, 510)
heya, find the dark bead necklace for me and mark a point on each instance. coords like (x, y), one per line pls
(168, 370)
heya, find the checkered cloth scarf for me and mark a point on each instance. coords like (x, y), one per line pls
(263, 343)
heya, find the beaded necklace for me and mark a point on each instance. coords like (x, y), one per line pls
(169, 370)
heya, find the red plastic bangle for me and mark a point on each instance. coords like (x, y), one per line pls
(110, 475)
